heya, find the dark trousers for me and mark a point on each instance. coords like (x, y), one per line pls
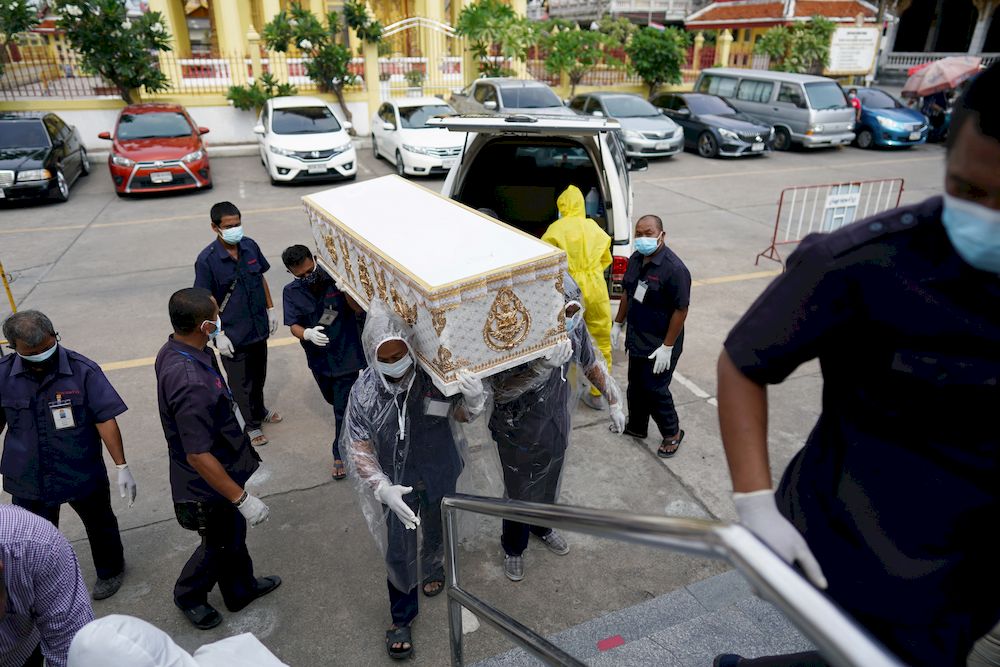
(221, 558)
(649, 395)
(247, 371)
(102, 527)
(336, 390)
(401, 556)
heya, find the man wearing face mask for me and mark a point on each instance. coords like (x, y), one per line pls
(232, 268)
(327, 323)
(404, 455)
(657, 295)
(58, 406)
(887, 503)
(211, 460)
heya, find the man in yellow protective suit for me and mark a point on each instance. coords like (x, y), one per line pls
(588, 249)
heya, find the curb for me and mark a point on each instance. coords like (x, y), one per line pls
(229, 150)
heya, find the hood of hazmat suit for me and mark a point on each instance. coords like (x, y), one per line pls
(402, 432)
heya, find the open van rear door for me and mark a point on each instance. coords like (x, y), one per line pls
(582, 126)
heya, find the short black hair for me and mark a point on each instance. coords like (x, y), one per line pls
(189, 307)
(30, 326)
(221, 210)
(981, 102)
(852, 90)
(655, 218)
(295, 255)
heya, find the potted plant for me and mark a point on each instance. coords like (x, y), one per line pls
(415, 80)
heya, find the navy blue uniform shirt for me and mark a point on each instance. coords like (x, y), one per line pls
(304, 305)
(196, 411)
(41, 462)
(245, 317)
(668, 288)
(899, 478)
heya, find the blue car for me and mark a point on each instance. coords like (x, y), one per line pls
(885, 121)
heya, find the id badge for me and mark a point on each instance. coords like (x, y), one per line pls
(436, 408)
(329, 315)
(62, 414)
(239, 417)
(640, 291)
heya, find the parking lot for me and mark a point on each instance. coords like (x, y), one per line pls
(103, 268)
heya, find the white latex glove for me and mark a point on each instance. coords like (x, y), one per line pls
(224, 345)
(661, 358)
(253, 510)
(392, 495)
(126, 484)
(272, 320)
(472, 392)
(617, 418)
(759, 513)
(316, 336)
(559, 355)
(617, 340)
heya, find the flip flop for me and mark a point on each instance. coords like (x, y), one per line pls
(273, 417)
(398, 636)
(430, 582)
(675, 443)
(339, 472)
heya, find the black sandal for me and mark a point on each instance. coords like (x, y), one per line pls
(400, 636)
(430, 582)
(675, 443)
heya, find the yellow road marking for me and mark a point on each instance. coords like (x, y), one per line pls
(737, 278)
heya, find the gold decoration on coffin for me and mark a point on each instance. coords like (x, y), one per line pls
(348, 269)
(438, 318)
(407, 311)
(380, 283)
(559, 283)
(444, 362)
(366, 281)
(560, 327)
(508, 322)
(331, 247)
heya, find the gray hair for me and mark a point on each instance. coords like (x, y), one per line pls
(29, 326)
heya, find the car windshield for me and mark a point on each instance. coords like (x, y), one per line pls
(876, 99)
(159, 125)
(414, 118)
(709, 105)
(627, 106)
(529, 97)
(304, 120)
(825, 95)
(23, 134)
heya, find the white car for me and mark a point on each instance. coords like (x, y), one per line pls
(400, 134)
(300, 139)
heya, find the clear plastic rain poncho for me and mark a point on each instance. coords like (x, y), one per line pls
(403, 433)
(532, 404)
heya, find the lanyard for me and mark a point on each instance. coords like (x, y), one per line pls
(217, 374)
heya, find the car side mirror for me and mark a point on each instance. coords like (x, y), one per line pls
(638, 164)
(347, 125)
(388, 127)
(258, 129)
(684, 112)
(598, 114)
(490, 104)
(202, 130)
(104, 135)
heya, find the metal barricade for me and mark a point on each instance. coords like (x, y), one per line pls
(841, 641)
(805, 209)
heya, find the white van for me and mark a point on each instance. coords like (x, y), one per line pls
(519, 165)
(808, 110)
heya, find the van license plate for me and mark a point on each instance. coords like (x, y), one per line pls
(914, 136)
(317, 169)
(757, 147)
(161, 177)
(448, 164)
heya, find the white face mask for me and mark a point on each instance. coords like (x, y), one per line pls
(395, 369)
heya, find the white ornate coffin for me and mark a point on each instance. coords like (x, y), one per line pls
(479, 294)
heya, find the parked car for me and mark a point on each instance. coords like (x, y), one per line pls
(157, 148)
(301, 139)
(400, 133)
(499, 95)
(885, 121)
(518, 167)
(40, 156)
(645, 131)
(713, 126)
(807, 110)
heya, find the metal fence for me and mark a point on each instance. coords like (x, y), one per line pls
(52, 76)
(902, 61)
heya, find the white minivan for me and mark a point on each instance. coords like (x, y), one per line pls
(301, 139)
(519, 165)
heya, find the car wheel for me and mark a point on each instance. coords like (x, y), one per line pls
(375, 153)
(782, 140)
(400, 167)
(84, 162)
(707, 145)
(61, 192)
(865, 139)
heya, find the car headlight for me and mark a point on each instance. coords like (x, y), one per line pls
(194, 157)
(889, 123)
(633, 135)
(678, 133)
(121, 161)
(277, 150)
(729, 134)
(815, 128)
(344, 147)
(34, 175)
(417, 149)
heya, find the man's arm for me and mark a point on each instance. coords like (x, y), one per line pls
(354, 305)
(62, 603)
(743, 422)
(112, 437)
(366, 463)
(267, 293)
(297, 330)
(622, 309)
(206, 465)
(675, 327)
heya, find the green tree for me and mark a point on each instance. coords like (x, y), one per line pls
(256, 95)
(495, 33)
(120, 49)
(800, 47)
(574, 51)
(16, 17)
(656, 56)
(618, 30)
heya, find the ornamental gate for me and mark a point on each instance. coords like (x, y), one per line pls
(420, 56)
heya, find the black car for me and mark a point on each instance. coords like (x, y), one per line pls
(714, 127)
(40, 156)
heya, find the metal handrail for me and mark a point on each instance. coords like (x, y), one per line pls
(841, 641)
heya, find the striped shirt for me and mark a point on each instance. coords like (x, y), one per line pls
(47, 601)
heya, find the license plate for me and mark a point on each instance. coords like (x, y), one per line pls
(914, 136)
(662, 145)
(448, 164)
(757, 147)
(317, 169)
(161, 177)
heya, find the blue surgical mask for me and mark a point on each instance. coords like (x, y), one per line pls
(40, 357)
(396, 369)
(218, 327)
(974, 231)
(233, 235)
(646, 245)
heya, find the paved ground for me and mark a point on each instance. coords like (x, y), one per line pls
(103, 269)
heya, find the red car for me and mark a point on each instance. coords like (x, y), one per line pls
(157, 148)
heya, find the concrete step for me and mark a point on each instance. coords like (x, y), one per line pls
(685, 628)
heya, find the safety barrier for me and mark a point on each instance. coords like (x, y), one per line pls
(805, 209)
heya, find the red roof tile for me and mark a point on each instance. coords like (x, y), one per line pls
(759, 11)
(730, 12)
(832, 9)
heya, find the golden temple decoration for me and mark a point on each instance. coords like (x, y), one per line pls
(348, 269)
(366, 281)
(380, 282)
(407, 311)
(331, 247)
(438, 318)
(507, 323)
(445, 364)
(559, 283)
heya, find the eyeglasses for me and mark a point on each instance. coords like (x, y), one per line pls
(10, 345)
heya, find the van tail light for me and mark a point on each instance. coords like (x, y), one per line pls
(618, 267)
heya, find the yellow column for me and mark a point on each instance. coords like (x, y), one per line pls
(699, 43)
(371, 78)
(173, 22)
(520, 67)
(722, 47)
(277, 62)
(253, 42)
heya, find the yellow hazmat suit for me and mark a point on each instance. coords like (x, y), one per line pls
(588, 249)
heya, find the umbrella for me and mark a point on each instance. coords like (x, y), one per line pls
(940, 75)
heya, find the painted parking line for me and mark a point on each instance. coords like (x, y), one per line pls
(741, 277)
(149, 361)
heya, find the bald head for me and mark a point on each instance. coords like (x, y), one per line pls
(651, 219)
